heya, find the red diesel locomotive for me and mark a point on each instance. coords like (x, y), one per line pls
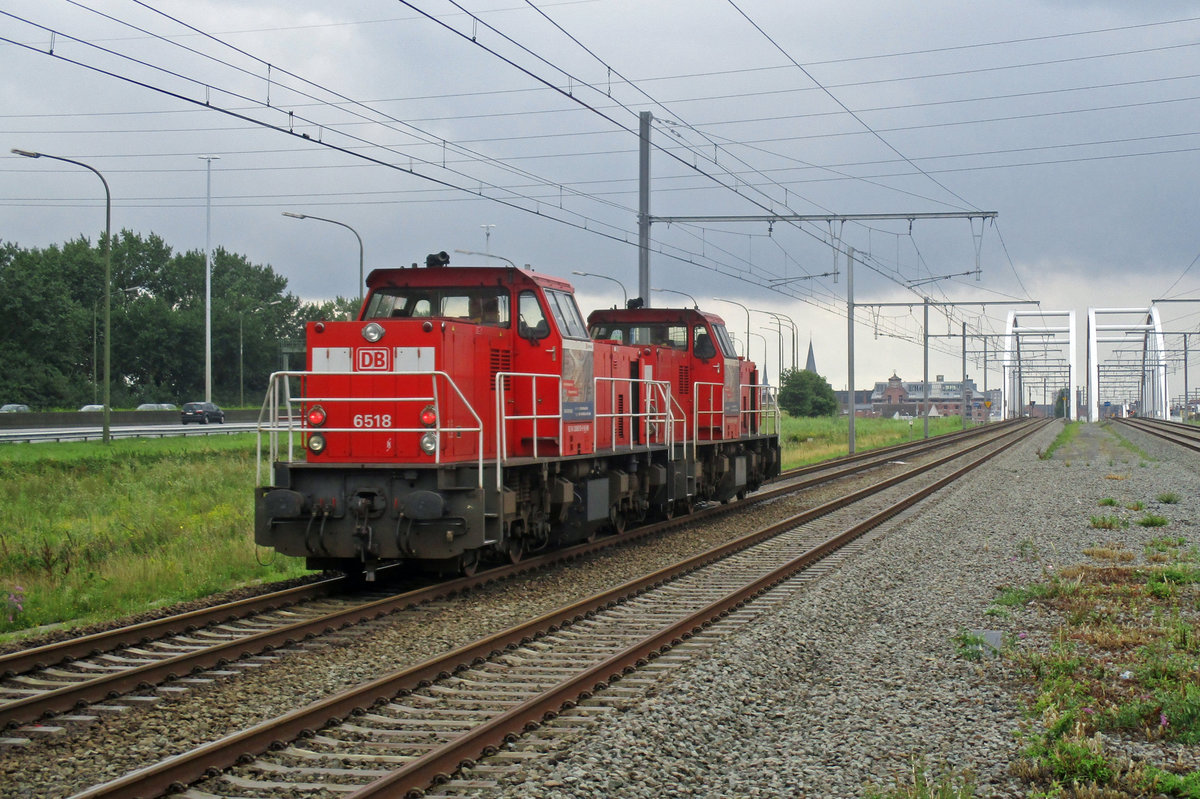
(469, 412)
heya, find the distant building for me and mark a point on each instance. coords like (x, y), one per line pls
(945, 398)
(862, 401)
(811, 364)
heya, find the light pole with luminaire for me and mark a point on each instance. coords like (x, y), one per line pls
(107, 278)
(361, 281)
(747, 310)
(684, 293)
(779, 330)
(624, 294)
(208, 275)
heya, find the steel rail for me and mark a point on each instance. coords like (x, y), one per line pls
(438, 764)
(75, 694)
(1163, 430)
(72, 649)
(182, 769)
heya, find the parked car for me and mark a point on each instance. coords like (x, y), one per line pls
(13, 407)
(201, 412)
(89, 408)
(156, 406)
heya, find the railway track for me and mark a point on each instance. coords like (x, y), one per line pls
(1185, 435)
(412, 729)
(73, 674)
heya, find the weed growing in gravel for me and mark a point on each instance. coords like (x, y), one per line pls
(1112, 551)
(1169, 548)
(1116, 476)
(1153, 520)
(1108, 502)
(1123, 663)
(1026, 549)
(1068, 432)
(1014, 597)
(972, 646)
(1136, 505)
(1109, 522)
(1168, 498)
(919, 784)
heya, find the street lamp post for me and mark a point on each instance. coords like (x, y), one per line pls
(624, 293)
(361, 281)
(779, 332)
(747, 310)
(684, 293)
(107, 279)
(208, 159)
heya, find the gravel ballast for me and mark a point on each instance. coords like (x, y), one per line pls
(859, 673)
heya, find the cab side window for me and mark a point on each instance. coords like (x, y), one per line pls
(531, 319)
(702, 343)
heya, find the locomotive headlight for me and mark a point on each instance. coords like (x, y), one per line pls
(373, 332)
(316, 416)
(316, 443)
(429, 416)
(429, 443)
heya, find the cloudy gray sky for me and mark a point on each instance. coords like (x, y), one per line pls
(511, 126)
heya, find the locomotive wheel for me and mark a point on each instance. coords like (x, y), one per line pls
(468, 562)
(617, 519)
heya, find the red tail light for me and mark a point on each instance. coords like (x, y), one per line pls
(316, 416)
(429, 416)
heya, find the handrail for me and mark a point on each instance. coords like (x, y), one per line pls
(503, 418)
(272, 424)
(770, 406)
(718, 410)
(662, 388)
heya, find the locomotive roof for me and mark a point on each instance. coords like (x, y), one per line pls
(652, 315)
(464, 276)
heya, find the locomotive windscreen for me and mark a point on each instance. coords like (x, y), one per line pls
(485, 305)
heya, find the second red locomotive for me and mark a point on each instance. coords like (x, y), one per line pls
(470, 412)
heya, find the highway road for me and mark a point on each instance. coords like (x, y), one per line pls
(88, 433)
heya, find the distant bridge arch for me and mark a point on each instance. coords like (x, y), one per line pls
(1132, 373)
(1039, 353)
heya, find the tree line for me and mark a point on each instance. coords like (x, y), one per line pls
(52, 339)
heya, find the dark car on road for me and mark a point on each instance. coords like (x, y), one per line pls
(201, 412)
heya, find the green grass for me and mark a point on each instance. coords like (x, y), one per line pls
(918, 783)
(1123, 662)
(1069, 431)
(809, 440)
(1109, 522)
(90, 532)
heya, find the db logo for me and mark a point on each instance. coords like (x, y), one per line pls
(372, 360)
